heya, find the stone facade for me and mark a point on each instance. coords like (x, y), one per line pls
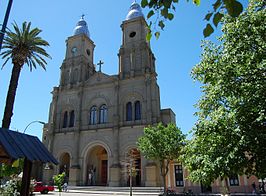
(177, 180)
(95, 119)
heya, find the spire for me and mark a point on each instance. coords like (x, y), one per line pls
(81, 27)
(134, 11)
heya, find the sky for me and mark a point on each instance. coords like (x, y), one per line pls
(176, 51)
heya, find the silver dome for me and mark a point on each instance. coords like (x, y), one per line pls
(134, 11)
(81, 27)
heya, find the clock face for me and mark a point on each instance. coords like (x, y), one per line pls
(74, 50)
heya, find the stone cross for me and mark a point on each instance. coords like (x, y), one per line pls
(100, 65)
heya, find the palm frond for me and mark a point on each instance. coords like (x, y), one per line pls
(25, 46)
(7, 59)
(40, 62)
(6, 54)
(40, 57)
(16, 28)
(41, 51)
(34, 32)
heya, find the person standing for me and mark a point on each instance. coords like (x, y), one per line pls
(253, 188)
(90, 178)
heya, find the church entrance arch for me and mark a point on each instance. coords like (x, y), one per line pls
(64, 163)
(97, 166)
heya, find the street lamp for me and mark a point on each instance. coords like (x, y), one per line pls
(35, 121)
(2, 31)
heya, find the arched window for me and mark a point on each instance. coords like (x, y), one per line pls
(93, 115)
(65, 120)
(72, 119)
(129, 111)
(103, 114)
(137, 110)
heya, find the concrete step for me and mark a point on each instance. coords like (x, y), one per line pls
(117, 189)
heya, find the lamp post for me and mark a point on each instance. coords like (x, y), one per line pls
(35, 121)
(2, 32)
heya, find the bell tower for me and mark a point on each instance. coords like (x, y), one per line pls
(135, 55)
(78, 64)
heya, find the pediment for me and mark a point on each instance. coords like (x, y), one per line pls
(100, 78)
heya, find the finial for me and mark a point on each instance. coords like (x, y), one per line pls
(81, 27)
(134, 11)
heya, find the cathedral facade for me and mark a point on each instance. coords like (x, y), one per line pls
(95, 119)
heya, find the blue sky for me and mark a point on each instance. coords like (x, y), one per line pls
(176, 51)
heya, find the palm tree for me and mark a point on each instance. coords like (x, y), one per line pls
(21, 46)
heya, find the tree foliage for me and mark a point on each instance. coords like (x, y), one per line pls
(7, 170)
(163, 144)
(230, 134)
(22, 46)
(163, 10)
(59, 180)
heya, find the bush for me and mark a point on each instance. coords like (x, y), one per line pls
(59, 180)
(11, 187)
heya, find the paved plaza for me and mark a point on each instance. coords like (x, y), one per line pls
(121, 191)
(107, 191)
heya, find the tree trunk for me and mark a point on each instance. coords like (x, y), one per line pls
(227, 186)
(164, 171)
(25, 184)
(11, 94)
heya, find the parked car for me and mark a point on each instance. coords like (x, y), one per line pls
(43, 189)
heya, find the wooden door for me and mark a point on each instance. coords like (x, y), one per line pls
(104, 172)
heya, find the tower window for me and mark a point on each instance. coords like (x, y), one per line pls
(129, 111)
(137, 110)
(88, 52)
(72, 119)
(103, 114)
(132, 34)
(93, 115)
(65, 119)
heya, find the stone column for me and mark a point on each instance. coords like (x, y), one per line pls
(74, 175)
(151, 172)
(74, 170)
(115, 167)
(114, 175)
(48, 173)
(149, 113)
(114, 170)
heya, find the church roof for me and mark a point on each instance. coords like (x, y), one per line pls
(134, 11)
(81, 27)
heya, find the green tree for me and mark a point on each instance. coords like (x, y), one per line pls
(59, 181)
(230, 134)
(164, 10)
(7, 170)
(23, 46)
(163, 144)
